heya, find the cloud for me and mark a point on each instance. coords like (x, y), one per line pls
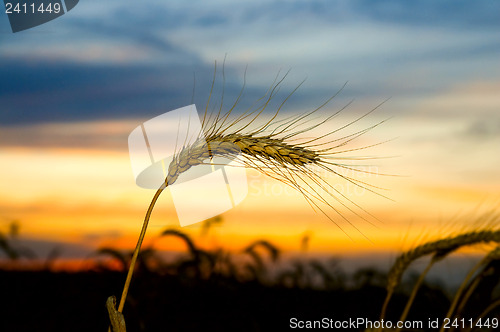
(44, 248)
(41, 91)
(483, 130)
(48, 91)
(97, 135)
(460, 14)
(116, 61)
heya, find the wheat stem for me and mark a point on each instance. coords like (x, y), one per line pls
(270, 148)
(386, 303)
(470, 290)
(447, 245)
(462, 287)
(414, 292)
(138, 247)
(494, 254)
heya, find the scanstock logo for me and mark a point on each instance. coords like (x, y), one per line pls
(26, 14)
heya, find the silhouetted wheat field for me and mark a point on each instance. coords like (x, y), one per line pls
(217, 290)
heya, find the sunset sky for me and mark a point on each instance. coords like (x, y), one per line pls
(73, 89)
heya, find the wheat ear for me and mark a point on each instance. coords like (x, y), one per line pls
(267, 148)
(271, 148)
(446, 245)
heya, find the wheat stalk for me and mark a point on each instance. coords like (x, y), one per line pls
(273, 149)
(435, 258)
(447, 244)
(491, 256)
(441, 247)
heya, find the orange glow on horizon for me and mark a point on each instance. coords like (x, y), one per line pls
(88, 196)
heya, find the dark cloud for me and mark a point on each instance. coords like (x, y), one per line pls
(483, 129)
(212, 20)
(71, 135)
(55, 91)
(42, 249)
(132, 31)
(41, 91)
(456, 14)
(48, 91)
(107, 235)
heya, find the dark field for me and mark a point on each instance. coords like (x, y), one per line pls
(215, 290)
(46, 301)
